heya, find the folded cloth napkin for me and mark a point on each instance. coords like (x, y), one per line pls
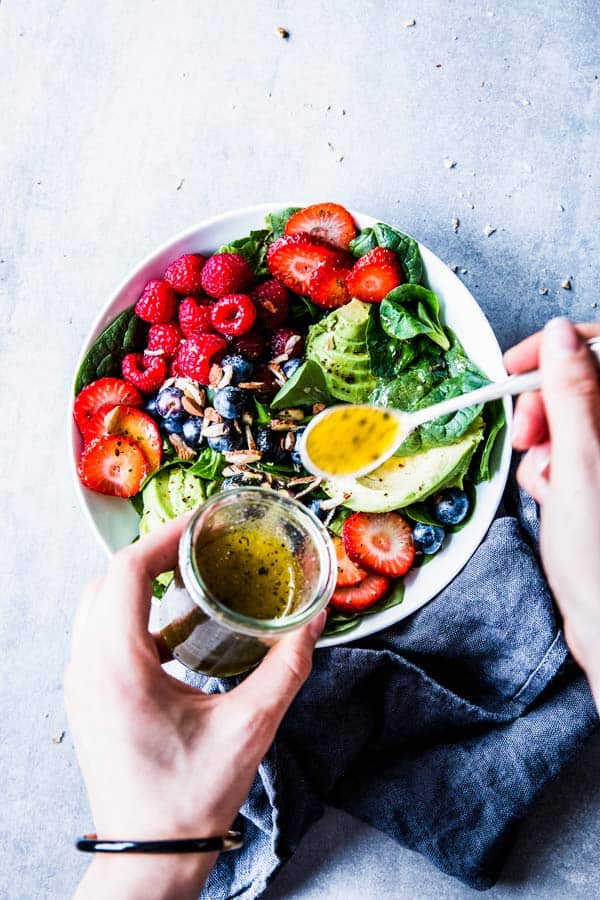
(439, 731)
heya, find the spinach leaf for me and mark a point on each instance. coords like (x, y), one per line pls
(337, 522)
(446, 429)
(404, 246)
(253, 247)
(262, 413)
(209, 465)
(410, 310)
(303, 308)
(125, 334)
(137, 501)
(306, 386)
(338, 623)
(276, 221)
(407, 390)
(388, 356)
(494, 418)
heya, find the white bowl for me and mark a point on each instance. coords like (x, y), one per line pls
(114, 521)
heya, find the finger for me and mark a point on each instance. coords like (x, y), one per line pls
(534, 471)
(571, 391)
(529, 421)
(525, 356)
(271, 688)
(157, 551)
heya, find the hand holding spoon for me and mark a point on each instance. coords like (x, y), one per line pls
(351, 440)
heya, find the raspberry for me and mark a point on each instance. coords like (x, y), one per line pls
(146, 373)
(250, 345)
(157, 304)
(284, 340)
(195, 356)
(271, 299)
(184, 275)
(194, 317)
(233, 315)
(166, 338)
(226, 273)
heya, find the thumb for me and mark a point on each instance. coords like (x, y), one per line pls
(273, 685)
(570, 387)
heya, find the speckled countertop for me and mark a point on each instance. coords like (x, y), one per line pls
(123, 124)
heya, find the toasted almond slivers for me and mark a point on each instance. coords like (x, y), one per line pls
(247, 418)
(181, 448)
(289, 441)
(277, 373)
(192, 407)
(294, 415)
(243, 457)
(158, 352)
(283, 357)
(214, 375)
(317, 408)
(252, 385)
(228, 471)
(192, 390)
(335, 501)
(291, 342)
(306, 479)
(249, 438)
(283, 425)
(211, 415)
(307, 490)
(217, 429)
(227, 377)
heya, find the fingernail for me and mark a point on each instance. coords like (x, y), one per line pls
(318, 624)
(561, 337)
(519, 425)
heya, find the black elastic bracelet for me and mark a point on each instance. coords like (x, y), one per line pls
(90, 843)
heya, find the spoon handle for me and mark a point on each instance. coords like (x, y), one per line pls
(515, 384)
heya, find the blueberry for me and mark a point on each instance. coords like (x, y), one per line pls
(295, 454)
(168, 403)
(172, 425)
(230, 402)
(242, 367)
(150, 406)
(232, 482)
(450, 506)
(192, 432)
(291, 367)
(231, 440)
(324, 515)
(428, 538)
(269, 444)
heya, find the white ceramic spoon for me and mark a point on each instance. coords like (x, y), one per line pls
(409, 421)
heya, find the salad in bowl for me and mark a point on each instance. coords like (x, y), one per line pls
(208, 377)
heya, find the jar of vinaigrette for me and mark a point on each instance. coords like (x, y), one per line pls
(253, 565)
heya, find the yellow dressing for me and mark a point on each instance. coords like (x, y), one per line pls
(250, 571)
(351, 438)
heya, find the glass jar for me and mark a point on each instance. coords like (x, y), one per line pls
(198, 628)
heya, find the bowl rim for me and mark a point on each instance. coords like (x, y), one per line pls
(100, 321)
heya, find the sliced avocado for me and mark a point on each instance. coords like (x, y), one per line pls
(169, 494)
(403, 480)
(338, 343)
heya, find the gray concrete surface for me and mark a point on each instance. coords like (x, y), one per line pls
(125, 122)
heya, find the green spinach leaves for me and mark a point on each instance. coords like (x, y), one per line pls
(407, 248)
(125, 334)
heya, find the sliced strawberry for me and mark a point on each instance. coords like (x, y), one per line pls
(114, 465)
(328, 222)
(140, 427)
(360, 596)
(327, 286)
(292, 260)
(374, 275)
(381, 542)
(103, 392)
(96, 426)
(347, 572)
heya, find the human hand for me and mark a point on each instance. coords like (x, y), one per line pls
(560, 429)
(159, 758)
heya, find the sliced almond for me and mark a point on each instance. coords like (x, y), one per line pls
(192, 390)
(283, 357)
(192, 407)
(214, 375)
(291, 343)
(335, 501)
(249, 438)
(289, 442)
(211, 415)
(311, 487)
(277, 373)
(217, 429)
(317, 408)
(158, 352)
(181, 448)
(247, 418)
(237, 426)
(243, 457)
(227, 377)
(306, 479)
(295, 415)
(228, 471)
(283, 425)
(252, 385)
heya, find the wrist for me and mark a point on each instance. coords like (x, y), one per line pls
(141, 876)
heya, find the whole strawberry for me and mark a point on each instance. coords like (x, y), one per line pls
(226, 273)
(165, 338)
(196, 355)
(185, 274)
(194, 316)
(146, 373)
(158, 303)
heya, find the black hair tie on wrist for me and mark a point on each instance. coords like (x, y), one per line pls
(90, 843)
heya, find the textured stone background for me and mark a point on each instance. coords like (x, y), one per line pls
(123, 123)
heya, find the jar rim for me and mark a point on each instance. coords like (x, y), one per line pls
(201, 594)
